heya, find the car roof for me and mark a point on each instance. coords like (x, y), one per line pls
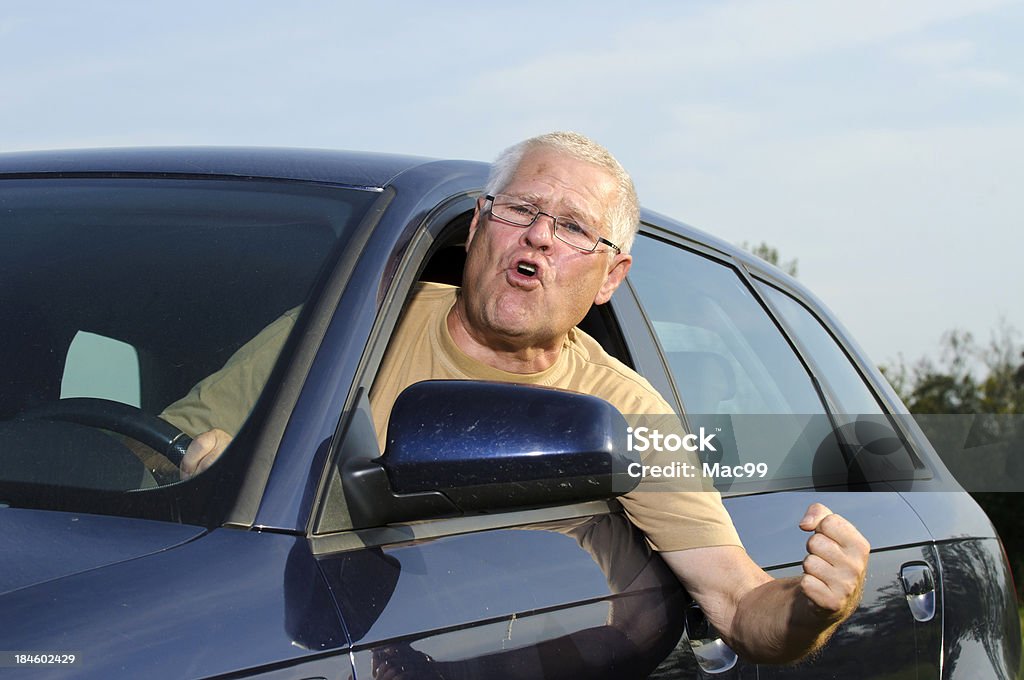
(352, 168)
(362, 169)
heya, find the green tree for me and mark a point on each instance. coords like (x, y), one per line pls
(771, 255)
(952, 387)
(1002, 390)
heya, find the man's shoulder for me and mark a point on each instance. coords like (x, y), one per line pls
(596, 357)
(425, 297)
(429, 288)
(613, 380)
(429, 294)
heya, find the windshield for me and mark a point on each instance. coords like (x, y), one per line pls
(117, 296)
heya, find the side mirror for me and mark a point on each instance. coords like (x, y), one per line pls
(455, 447)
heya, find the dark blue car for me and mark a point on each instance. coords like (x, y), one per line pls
(126, 276)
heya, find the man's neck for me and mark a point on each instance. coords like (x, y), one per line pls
(500, 354)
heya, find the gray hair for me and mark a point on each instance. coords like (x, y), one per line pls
(624, 214)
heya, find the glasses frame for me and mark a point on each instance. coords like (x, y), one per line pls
(554, 224)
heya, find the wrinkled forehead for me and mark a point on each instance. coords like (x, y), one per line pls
(563, 184)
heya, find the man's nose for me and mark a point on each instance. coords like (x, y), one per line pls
(541, 233)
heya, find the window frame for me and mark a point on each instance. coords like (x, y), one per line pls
(432, 234)
(752, 276)
(922, 468)
(746, 276)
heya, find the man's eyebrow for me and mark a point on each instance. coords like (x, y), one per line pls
(528, 196)
(572, 208)
(585, 216)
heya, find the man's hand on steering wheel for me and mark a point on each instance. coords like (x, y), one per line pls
(204, 450)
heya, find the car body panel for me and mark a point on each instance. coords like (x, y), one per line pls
(229, 601)
(981, 629)
(554, 600)
(365, 169)
(85, 542)
(773, 544)
(882, 638)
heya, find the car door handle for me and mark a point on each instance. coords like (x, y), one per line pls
(711, 652)
(919, 587)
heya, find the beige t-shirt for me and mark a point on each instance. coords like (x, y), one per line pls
(422, 349)
(224, 399)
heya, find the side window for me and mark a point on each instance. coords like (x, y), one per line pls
(866, 429)
(98, 366)
(733, 369)
(848, 389)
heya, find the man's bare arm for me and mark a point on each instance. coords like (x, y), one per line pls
(771, 620)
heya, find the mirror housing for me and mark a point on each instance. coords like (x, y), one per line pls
(456, 447)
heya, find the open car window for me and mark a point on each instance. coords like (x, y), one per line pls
(132, 290)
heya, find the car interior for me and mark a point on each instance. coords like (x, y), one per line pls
(135, 295)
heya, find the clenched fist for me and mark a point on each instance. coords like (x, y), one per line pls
(836, 563)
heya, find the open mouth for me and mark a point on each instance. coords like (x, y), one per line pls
(526, 269)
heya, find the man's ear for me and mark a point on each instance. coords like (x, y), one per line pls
(475, 222)
(617, 271)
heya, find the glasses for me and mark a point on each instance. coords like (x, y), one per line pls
(517, 212)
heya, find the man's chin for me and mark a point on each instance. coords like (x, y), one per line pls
(518, 326)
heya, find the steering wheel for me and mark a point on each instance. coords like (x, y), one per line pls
(130, 421)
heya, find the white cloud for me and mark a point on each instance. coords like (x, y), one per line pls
(730, 34)
(708, 121)
(979, 77)
(773, 120)
(935, 53)
(904, 233)
(647, 69)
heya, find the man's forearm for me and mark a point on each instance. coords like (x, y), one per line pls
(770, 620)
(776, 623)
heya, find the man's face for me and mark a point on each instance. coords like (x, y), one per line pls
(517, 306)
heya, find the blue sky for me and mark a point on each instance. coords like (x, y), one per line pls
(879, 143)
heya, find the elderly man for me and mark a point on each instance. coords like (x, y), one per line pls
(551, 238)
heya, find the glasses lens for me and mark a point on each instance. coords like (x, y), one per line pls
(575, 234)
(512, 210)
(516, 211)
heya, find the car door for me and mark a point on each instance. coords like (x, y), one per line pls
(791, 407)
(568, 591)
(572, 591)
